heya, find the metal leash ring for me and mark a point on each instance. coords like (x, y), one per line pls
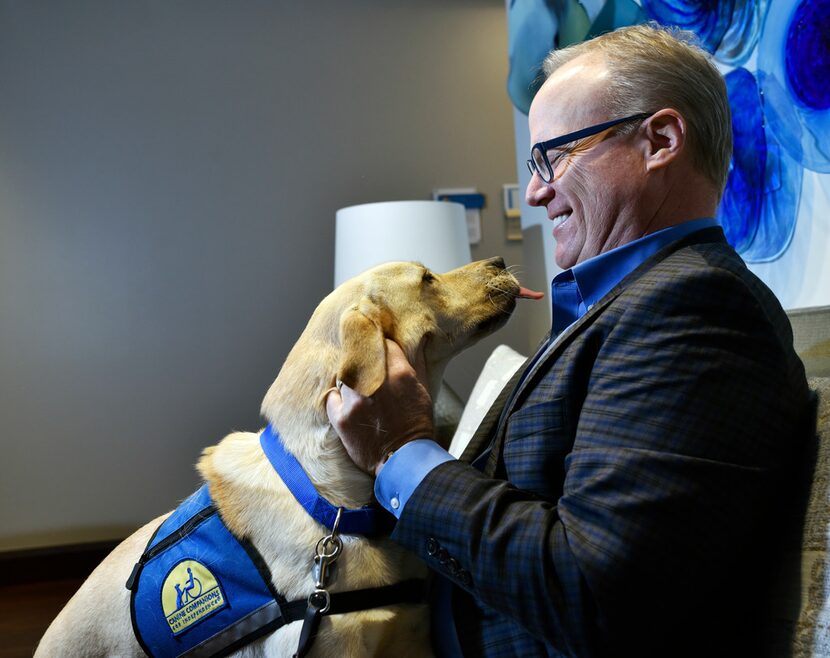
(324, 543)
(321, 600)
(332, 539)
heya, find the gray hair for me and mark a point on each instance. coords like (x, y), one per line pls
(653, 67)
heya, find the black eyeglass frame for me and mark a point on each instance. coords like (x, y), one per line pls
(542, 148)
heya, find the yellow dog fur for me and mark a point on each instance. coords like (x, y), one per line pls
(344, 340)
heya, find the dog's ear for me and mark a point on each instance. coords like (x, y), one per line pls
(363, 350)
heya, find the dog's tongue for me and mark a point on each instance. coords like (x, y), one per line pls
(524, 293)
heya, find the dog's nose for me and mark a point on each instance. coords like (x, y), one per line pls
(496, 261)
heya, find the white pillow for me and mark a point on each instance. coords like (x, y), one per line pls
(497, 371)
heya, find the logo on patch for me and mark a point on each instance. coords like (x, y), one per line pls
(190, 594)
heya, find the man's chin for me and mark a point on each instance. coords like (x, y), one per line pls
(564, 260)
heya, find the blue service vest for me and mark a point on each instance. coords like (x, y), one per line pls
(199, 591)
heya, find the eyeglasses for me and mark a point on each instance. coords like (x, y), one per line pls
(539, 162)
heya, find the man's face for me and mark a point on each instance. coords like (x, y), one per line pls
(595, 197)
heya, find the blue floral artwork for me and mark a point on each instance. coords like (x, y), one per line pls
(532, 28)
(780, 203)
(742, 36)
(780, 112)
(536, 26)
(708, 19)
(794, 59)
(760, 204)
(780, 117)
(740, 208)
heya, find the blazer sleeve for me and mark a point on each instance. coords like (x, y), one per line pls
(684, 434)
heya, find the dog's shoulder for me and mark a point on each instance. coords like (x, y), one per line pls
(236, 458)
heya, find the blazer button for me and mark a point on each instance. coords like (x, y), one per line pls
(453, 566)
(465, 578)
(443, 556)
(432, 546)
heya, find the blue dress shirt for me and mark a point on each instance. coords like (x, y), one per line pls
(573, 292)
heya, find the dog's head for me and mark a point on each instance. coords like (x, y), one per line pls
(403, 301)
(345, 339)
(409, 303)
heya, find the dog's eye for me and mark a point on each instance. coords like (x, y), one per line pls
(428, 277)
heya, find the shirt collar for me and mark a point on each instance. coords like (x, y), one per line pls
(596, 276)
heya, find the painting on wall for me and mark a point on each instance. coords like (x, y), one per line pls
(776, 62)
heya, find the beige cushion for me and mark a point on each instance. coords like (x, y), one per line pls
(811, 338)
(497, 371)
(800, 609)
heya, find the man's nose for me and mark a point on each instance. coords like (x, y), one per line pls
(538, 192)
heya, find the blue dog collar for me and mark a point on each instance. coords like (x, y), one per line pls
(366, 521)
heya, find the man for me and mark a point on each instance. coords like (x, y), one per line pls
(625, 486)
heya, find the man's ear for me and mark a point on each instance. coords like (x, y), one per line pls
(666, 135)
(362, 348)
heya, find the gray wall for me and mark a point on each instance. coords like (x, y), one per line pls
(169, 175)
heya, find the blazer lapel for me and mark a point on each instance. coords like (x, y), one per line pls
(559, 342)
(714, 234)
(484, 434)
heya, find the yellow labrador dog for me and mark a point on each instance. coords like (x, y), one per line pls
(343, 340)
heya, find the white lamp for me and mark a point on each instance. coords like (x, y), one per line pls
(432, 232)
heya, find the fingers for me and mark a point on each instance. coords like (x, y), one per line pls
(341, 401)
(350, 414)
(397, 362)
(398, 412)
(420, 363)
(334, 405)
(394, 351)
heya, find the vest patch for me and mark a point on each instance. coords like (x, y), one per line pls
(190, 593)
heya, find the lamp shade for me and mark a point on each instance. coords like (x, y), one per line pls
(432, 232)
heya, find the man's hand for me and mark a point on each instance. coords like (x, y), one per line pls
(399, 411)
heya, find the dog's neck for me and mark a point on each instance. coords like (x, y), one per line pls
(295, 406)
(323, 458)
(307, 434)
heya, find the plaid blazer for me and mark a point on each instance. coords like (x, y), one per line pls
(637, 477)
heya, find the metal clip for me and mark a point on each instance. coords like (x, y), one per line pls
(326, 552)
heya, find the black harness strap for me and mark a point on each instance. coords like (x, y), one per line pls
(312, 610)
(311, 623)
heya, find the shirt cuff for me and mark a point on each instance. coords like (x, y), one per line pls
(405, 470)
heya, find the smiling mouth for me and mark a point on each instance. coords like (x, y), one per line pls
(558, 220)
